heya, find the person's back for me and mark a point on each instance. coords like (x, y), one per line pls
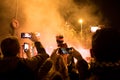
(63, 58)
(106, 53)
(59, 64)
(13, 67)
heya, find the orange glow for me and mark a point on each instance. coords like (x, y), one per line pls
(81, 21)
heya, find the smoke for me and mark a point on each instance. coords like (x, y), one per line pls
(52, 17)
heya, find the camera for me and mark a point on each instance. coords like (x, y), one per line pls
(26, 46)
(25, 35)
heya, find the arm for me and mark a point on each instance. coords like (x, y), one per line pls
(76, 54)
(36, 61)
(81, 65)
(38, 45)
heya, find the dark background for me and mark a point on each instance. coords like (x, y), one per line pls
(110, 9)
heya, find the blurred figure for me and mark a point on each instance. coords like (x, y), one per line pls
(14, 68)
(44, 70)
(63, 58)
(77, 70)
(56, 76)
(105, 51)
(59, 64)
(47, 71)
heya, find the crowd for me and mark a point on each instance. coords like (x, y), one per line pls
(105, 63)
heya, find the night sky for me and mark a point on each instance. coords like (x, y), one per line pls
(110, 9)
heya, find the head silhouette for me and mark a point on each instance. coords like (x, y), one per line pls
(10, 46)
(106, 45)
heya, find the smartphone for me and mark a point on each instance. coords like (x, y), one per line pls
(25, 35)
(64, 51)
(26, 46)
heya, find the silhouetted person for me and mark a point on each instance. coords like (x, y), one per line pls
(106, 53)
(14, 68)
(77, 70)
(48, 72)
(59, 64)
(44, 71)
(63, 57)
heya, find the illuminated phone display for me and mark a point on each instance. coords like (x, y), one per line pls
(64, 51)
(26, 46)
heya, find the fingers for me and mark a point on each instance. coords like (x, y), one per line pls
(76, 54)
(33, 37)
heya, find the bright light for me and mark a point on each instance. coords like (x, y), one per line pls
(80, 21)
(94, 28)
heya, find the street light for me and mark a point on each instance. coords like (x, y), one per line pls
(81, 21)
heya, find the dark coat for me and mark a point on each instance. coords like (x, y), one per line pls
(15, 68)
(105, 71)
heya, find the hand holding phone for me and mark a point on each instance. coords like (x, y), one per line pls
(64, 51)
(26, 46)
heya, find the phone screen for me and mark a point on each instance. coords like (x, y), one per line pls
(25, 35)
(64, 51)
(26, 46)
